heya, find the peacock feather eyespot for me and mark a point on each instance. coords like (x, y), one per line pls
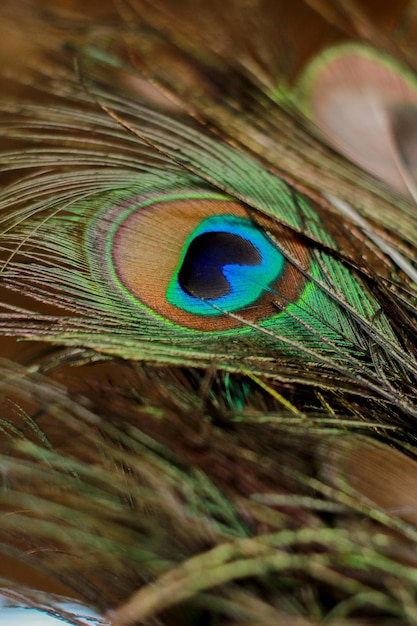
(226, 263)
(163, 259)
(192, 258)
(365, 102)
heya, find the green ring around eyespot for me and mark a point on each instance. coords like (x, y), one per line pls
(302, 91)
(134, 302)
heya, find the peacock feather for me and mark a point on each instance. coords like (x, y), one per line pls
(208, 234)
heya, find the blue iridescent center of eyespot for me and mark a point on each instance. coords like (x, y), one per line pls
(226, 264)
